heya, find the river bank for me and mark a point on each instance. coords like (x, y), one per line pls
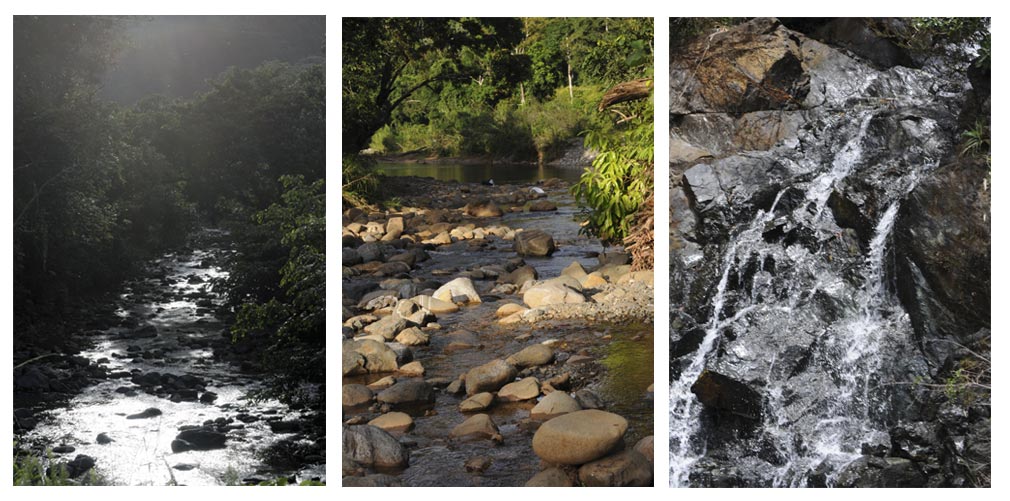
(477, 323)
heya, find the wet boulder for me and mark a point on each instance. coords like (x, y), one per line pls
(531, 356)
(367, 356)
(407, 392)
(725, 394)
(478, 402)
(286, 426)
(80, 465)
(371, 251)
(374, 447)
(436, 306)
(461, 340)
(553, 405)
(489, 377)
(198, 439)
(478, 426)
(387, 327)
(579, 437)
(394, 228)
(412, 336)
(542, 206)
(551, 477)
(509, 309)
(393, 422)
(520, 276)
(524, 389)
(33, 379)
(354, 395)
(534, 243)
(868, 471)
(460, 287)
(145, 414)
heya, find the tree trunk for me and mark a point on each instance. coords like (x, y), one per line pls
(626, 91)
(571, 95)
(522, 95)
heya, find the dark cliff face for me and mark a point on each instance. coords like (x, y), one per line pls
(943, 257)
(824, 238)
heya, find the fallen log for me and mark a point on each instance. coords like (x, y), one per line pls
(626, 91)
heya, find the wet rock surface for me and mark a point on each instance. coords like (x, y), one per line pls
(827, 245)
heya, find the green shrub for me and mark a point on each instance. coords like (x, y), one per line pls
(32, 469)
(614, 188)
(977, 141)
(360, 182)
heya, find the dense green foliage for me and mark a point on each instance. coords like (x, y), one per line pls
(506, 89)
(32, 469)
(291, 312)
(90, 194)
(620, 179)
(99, 188)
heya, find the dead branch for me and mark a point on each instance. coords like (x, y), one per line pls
(626, 91)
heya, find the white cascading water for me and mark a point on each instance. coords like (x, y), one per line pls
(683, 409)
(820, 188)
(855, 350)
(854, 345)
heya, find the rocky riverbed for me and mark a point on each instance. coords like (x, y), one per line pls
(487, 343)
(156, 395)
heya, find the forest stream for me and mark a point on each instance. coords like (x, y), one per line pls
(171, 411)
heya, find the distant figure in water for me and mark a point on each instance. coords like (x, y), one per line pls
(489, 182)
(536, 189)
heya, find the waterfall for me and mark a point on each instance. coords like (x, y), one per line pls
(842, 422)
(684, 422)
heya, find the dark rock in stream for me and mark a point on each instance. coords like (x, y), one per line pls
(147, 413)
(103, 439)
(198, 439)
(534, 243)
(80, 465)
(292, 426)
(372, 446)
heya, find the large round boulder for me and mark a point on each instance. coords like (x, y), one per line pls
(579, 437)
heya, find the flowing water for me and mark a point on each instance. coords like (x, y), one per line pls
(178, 298)
(825, 431)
